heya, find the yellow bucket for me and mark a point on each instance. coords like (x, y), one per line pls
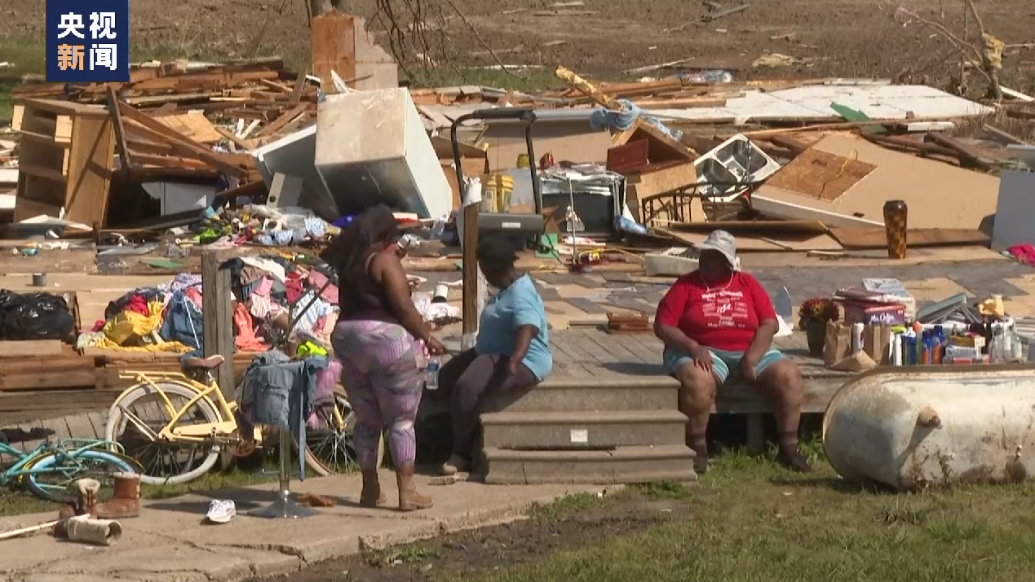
(496, 192)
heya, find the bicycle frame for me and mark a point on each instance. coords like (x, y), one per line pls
(223, 427)
(198, 433)
(23, 466)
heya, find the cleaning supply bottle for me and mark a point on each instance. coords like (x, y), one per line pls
(1017, 353)
(909, 348)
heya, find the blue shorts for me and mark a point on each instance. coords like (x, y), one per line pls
(723, 362)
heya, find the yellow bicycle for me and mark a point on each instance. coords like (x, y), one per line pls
(176, 425)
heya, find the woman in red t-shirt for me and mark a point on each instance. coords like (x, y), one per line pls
(718, 323)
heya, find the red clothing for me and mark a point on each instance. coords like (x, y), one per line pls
(723, 317)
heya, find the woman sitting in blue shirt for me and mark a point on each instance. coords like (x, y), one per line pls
(510, 357)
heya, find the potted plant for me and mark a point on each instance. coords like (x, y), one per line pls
(813, 317)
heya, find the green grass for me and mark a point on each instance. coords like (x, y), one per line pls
(750, 520)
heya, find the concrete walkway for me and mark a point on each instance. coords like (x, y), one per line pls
(169, 541)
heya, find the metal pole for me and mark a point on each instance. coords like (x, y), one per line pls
(283, 507)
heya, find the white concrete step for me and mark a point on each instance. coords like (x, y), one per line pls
(619, 465)
(583, 430)
(577, 394)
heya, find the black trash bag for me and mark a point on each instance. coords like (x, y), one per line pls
(35, 316)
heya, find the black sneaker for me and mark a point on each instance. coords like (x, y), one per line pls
(794, 461)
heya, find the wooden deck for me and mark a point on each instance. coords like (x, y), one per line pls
(24, 437)
(595, 353)
(598, 354)
(588, 352)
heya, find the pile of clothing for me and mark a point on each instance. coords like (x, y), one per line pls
(269, 291)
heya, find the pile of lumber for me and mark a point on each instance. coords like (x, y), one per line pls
(262, 92)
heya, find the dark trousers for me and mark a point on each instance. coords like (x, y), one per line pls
(475, 384)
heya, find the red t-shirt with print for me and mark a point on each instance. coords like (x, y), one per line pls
(718, 316)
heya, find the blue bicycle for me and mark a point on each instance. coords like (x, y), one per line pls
(51, 469)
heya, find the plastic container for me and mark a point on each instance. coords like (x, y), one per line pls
(431, 381)
(496, 193)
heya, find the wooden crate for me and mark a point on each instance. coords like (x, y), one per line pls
(67, 156)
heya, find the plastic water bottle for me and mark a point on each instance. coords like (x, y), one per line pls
(431, 382)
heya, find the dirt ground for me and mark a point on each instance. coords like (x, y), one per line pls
(858, 38)
(576, 523)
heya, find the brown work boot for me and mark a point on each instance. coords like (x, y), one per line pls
(125, 501)
(409, 498)
(372, 496)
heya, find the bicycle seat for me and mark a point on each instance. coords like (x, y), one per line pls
(208, 363)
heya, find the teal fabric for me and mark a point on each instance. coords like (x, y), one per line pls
(722, 362)
(515, 306)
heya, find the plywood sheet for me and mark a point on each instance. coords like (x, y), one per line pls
(812, 103)
(938, 195)
(820, 175)
(876, 238)
(193, 125)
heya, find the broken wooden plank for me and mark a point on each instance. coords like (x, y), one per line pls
(296, 93)
(120, 130)
(965, 153)
(233, 138)
(180, 142)
(276, 86)
(1004, 135)
(283, 120)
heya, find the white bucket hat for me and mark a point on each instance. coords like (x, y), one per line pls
(723, 242)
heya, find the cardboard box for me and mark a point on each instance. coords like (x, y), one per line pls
(838, 346)
(875, 313)
(876, 342)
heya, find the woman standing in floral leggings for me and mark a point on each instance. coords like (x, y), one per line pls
(383, 344)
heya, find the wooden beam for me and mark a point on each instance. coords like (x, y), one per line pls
(233, 138)
(217, 316)
(179, 141)
(120, 130)
(275, 86)
(41, 172)
(296, 93)
(284, 119)
(148, 147)
(168, 162)
(587, 88)
(963, 152)
(165, 109)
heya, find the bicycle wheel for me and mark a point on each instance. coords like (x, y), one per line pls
(53, 474)
(163, 461)
(329, 445)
